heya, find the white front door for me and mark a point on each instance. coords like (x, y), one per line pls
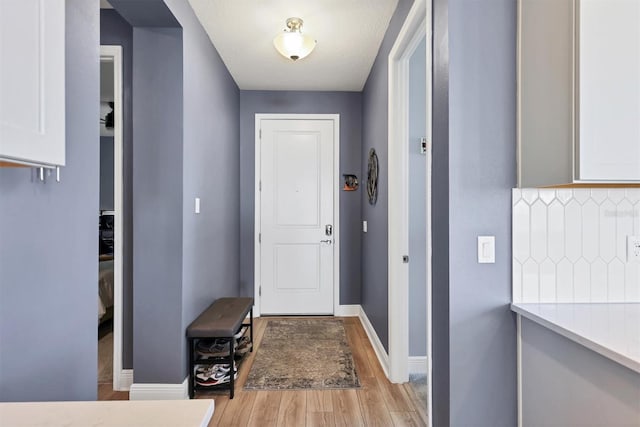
(296, 216)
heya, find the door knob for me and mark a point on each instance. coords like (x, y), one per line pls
(326, 241)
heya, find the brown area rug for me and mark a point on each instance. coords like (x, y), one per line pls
(303, 354)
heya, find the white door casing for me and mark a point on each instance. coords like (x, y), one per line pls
(32, 82)
(416, 26)
(122, 378)
(296, 204)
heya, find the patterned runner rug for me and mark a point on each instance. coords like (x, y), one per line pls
(303, 354)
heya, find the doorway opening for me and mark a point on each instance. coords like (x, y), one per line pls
(417, 222)
(110, 279)
(415, 34)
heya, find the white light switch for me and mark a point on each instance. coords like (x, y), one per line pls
(197, 206)
(486, 249)
(364, 226)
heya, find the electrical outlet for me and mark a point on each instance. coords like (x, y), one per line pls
(633, 248)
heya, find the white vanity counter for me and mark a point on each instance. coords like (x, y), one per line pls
(610, 329)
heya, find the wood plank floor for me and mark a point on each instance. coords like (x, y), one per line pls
(377, 403)
(106, 392)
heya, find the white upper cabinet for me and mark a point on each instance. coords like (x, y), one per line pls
(578, 92)
(609, 90)
(32, 81)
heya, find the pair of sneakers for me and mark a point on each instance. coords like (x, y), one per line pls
(215, 374)
(218, 347)
(213, 348)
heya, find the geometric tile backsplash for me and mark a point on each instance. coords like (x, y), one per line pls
(570, 245)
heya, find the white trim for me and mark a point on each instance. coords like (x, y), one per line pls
(417, 364)
(257, 266)
(126, 379)
(348, 310)
(378, 348)
(408, 39)
(336, 202)
(417, 24)
(140, 391)
(113, 54)
(429, 263)
(519, 94)
(429, 260)
(519, 367)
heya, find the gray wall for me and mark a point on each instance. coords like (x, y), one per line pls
(186, 145)
(106, 173)
(49, 245)
(186, 135)
(567, 384)
(211, 239)
(482, 162)
(114, 30)
(375, 102)
(440, 214)
(157, 205)
(417, 202)
(349, 106)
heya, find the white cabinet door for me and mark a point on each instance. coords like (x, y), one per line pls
(609, 90)
(32, 81)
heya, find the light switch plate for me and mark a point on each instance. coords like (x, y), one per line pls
(486, 249)
(364, 226)
(633, 248)
(197, 205)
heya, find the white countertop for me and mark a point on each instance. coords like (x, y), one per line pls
(610, 329)
(123, 413)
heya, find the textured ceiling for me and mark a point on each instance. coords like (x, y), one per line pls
(349, 33)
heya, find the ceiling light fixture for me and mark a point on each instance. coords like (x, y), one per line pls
(291, 43)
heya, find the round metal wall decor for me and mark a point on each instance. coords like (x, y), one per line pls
(372, 177)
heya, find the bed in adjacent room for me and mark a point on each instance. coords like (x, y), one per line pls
(105, 291)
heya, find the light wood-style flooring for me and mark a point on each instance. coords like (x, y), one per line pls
(377, 403)
(106, 392)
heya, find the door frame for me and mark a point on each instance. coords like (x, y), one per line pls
(336, 202)
(113, 53)
(417, 24)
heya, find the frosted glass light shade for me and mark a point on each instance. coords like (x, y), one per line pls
(291, 43)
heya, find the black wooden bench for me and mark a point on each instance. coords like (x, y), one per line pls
(221, 320)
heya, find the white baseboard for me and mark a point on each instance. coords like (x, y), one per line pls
(382, 355)
(417, 364)
(348, 310)
(159, 391)
(125, 379)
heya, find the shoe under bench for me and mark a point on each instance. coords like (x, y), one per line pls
(221, 320)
